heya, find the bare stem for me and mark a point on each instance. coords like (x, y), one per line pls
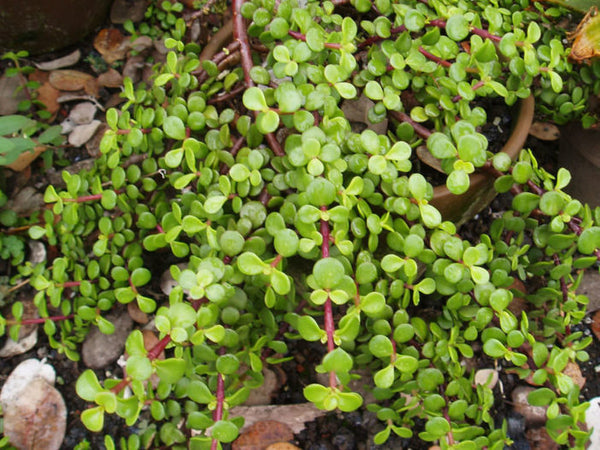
(403, 117)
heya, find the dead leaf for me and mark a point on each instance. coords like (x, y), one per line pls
(38, 419)
(83, 113)
(9, 96)
(545, 131)
(48, 95)
(111, 78)
(427, 158)
(111, 44)
(133, 68)
(26, 158)
(294, 416)
(260, 435)
(70, 80)
(83, 133)
(574, 371)
(59, 63)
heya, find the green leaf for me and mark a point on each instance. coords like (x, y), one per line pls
(140, 276)
(381, 346)
(494, 348)
(93, 418)
(328, 272)
(374, 91)
(213, 204)
(199, 392)
(316, 393)
(457, 27)
(87, 385)
(384, 378)
(250, 264)
(346, 90)
(13, 124)
(267, 121)
(541, 397)
(254, 99)
(170, 370)
(174, 128)
(458, 182)
(225, 431)
(139, 367)
(337, 360)
(309, 328)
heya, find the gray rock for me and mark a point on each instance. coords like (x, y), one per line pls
(100, 350)
(590, 287)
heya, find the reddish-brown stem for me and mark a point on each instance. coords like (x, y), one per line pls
(478, 31)
(228, 95)
(434, 58)
(302, 37)
(276, 260)
(39, 320)
(159, 347)
(237, 145)
(128, 130)
(419, 129)
(328, 307)
(476, 86)
(84, 198)
(375, 38)
(218, 412)
(240, 35)
(68, 284)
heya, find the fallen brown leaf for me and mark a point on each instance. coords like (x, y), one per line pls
(111, 78)
(133, 309)
(70, 80)
(111, 44)
(48, 95)
(574, 371)
(59, 63)
(260, 435)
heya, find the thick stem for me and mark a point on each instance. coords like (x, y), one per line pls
(434, 58)
(228, 95)
(302, 37)
(218, 412)
(419, 129)
(159, 347)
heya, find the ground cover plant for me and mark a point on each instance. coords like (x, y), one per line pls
(280, 222)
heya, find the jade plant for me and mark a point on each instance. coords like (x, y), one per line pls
(281, 224)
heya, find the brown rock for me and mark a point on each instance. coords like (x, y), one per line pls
(262, 434)
(38, 419)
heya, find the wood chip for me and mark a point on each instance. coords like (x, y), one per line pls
(427, 158)
(545, 131)
(59, 63)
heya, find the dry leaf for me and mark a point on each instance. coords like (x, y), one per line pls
(83, 113)
(111, 78)
(427, 158)
(295, 416)
(26, 158)
(9, 97)
(83, 133)
(111, 44)
(59, 63)
(545, 131)
(574, 371)
(37, 420)
(260, 435)
(48, 95)
(70, 80)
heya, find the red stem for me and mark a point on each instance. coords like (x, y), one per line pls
(240, 35)
(403, 117)
(328, 308)
(373, 39)
(41, 320)
(302, 37)
(159, 347)
(434, 58)
(478, 31)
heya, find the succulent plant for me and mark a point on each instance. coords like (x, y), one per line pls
(280, 223)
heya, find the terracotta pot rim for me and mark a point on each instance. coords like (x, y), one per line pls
(512, 147)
